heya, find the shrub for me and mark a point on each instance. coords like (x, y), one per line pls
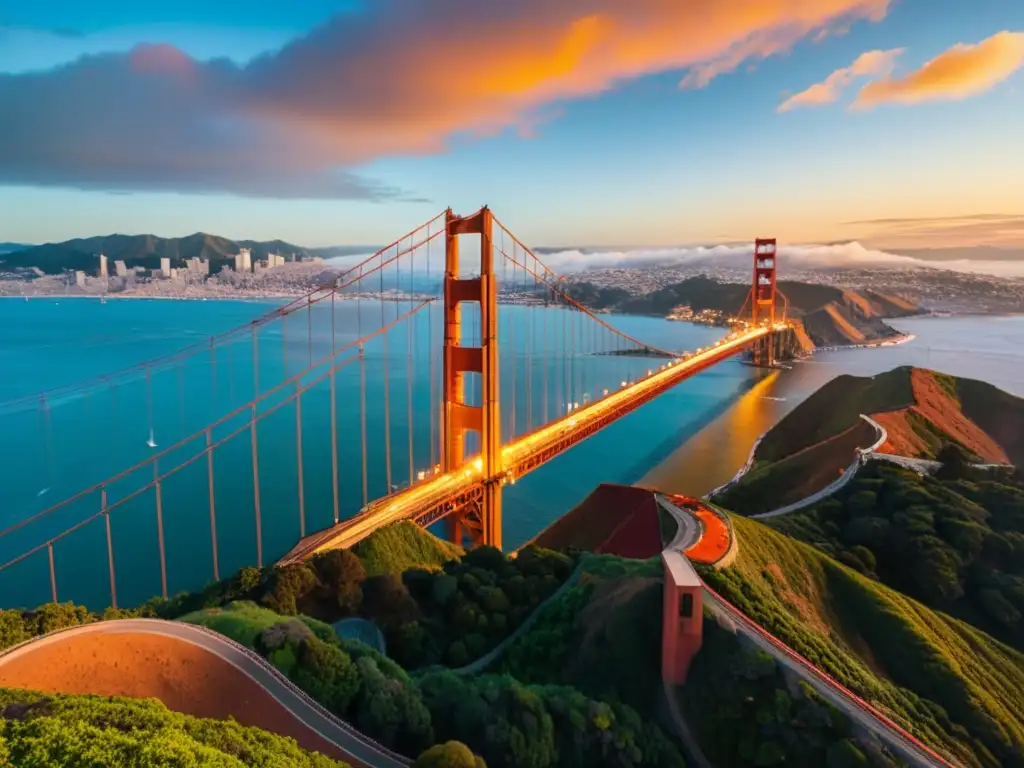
(451, 754)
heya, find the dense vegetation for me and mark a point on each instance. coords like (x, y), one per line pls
(743, 713)
(428, 615)
(602, 636)
(955, 542)
(468, 605)
(458, 614)
(56, 731)
(941, 679)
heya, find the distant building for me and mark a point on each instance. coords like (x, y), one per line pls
(103, 265)
(199, 266)
(243, 260)
(120, 269)
(80, 279)
(274, 260)
(165, 267)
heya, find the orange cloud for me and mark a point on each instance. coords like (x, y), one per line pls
(400, 77)
(869, 64)
(960, 72)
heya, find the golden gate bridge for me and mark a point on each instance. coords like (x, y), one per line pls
(495, 412)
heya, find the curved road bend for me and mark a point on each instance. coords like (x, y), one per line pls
(359, 749)
(858, 710)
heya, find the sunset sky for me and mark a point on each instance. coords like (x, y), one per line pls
(899, 123)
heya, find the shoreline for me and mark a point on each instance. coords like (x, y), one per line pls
(675, 473)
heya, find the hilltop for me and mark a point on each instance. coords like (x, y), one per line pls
(825, 315)
(920, 410)
(141, 251)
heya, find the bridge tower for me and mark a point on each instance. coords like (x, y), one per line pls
(762, 295)
(481, 519)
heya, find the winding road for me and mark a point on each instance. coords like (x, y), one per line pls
(173, 661)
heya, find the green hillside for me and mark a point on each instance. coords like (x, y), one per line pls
(950, 684)
(397, 547)
(955, 542)
(56, 731)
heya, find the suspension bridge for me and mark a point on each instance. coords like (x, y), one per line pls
(384, 395)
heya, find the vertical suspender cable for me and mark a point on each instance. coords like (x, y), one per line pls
(409, 325)
(160, 530)
(434, 406)
(334, 411)
(362, 385)
(298, 456)
(213, 512)
(529, 351)
(387, 398)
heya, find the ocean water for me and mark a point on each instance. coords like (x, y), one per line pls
(76, 437)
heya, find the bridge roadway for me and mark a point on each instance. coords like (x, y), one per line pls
(431, 499)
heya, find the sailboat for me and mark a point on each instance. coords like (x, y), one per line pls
(151, 442)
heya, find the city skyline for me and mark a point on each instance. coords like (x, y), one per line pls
(883, 121)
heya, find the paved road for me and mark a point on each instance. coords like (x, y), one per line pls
(360, 749)
(690, 528)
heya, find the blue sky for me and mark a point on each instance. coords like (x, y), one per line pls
(570, 122)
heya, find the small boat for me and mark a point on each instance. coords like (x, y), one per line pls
(151, 442)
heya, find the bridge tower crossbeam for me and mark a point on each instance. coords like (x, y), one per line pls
(480, 520)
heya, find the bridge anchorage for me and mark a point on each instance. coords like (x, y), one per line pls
(409, 387)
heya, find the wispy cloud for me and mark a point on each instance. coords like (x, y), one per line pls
(400, 78)
(828, 91)
(980, 229)
(792, 258)
(958, 73)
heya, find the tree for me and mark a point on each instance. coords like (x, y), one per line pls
(288, 586)
(327, 674)
(451, 754)
(387, 601)
(342, 575)
(956, 462)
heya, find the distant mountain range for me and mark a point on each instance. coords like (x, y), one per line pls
(147, 250)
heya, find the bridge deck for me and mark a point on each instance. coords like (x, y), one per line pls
(444, 492)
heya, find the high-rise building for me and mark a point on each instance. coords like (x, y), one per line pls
(199, 266)
(120, 269)
(80, 279)
(165, 267)
(103, 265)
(243, 260)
